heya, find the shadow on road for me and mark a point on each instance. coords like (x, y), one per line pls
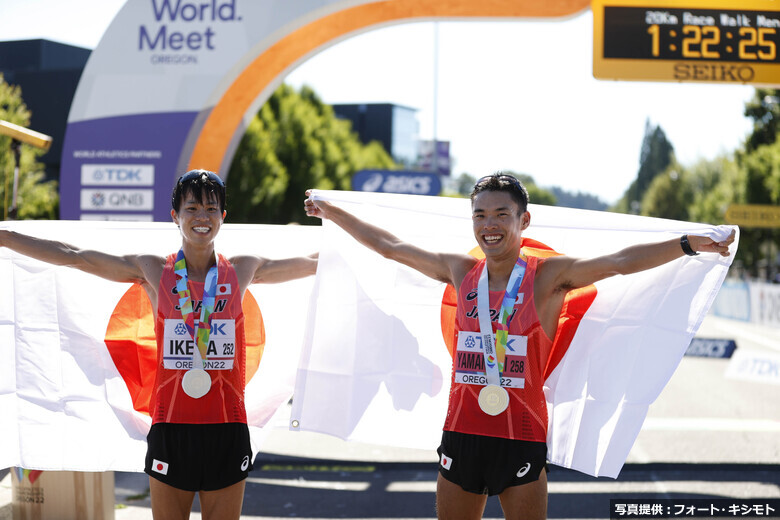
(292, 487)
(281, 486)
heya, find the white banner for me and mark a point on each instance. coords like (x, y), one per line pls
(374, 366)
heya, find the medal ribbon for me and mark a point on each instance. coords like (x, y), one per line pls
(201, 331)
(494, 351)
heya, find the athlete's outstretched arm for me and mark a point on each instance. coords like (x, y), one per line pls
(255, 269)
(447, 268)
(572, 273)
(128, 268)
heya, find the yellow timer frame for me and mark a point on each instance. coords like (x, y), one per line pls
(705, 41)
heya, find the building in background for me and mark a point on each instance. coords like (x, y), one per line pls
(434, 156)
(48, 73)
(395, 126)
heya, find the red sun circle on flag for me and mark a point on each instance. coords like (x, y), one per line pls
(576, 303)
(133, 347)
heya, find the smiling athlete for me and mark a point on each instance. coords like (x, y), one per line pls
(494, 439)
(199, 439)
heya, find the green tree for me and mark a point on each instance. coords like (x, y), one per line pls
(717, 184)
(669, 195)
(536, 195)
(764, 110)
(761, 184)
(656, 155)
(700, 193)
(293, 143)
(35, 199)
(464, 184)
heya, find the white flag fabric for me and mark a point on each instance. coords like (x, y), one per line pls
(374, 365)
(70, 376)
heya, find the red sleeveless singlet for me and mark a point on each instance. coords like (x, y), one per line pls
(226, 357)
(526, 417)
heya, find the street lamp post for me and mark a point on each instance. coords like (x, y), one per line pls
(19, 135)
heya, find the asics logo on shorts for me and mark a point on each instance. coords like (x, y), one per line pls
(525, 469)
(245, 463)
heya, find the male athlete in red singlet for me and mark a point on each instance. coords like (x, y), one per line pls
(199, 440)
(494, 435)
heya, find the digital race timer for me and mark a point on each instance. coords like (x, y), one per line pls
(694, 40)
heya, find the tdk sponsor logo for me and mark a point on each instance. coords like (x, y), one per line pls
(117, 175)
(117, 200)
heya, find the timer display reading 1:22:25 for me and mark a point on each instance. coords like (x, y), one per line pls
(717, 43)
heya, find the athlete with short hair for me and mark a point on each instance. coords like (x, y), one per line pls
(199, 439)
(494, 439)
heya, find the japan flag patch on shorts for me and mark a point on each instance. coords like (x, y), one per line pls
(160, 466)
(446, 461)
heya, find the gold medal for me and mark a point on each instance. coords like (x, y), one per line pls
(196, 383)
(493, 399)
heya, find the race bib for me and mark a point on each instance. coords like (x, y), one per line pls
(470, 360)
(179, 345)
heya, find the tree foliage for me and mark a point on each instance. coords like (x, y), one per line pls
(536, 194)
(764, 110)
(294, 142)
(35, 199)
(704, 191)
(656, 155)
(669, 194)
(578, 200)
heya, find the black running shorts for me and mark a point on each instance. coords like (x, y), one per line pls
(489, 465)
(198, 457)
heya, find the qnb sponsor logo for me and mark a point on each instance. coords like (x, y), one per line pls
(161, 37)
(117, 200)
(117, 175)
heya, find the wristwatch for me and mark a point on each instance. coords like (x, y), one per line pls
(686, 246)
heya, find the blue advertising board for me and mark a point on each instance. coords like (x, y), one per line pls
(712, 348)
(397, 181)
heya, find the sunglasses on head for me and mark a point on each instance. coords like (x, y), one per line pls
(200, 174)
(501, 177)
